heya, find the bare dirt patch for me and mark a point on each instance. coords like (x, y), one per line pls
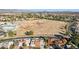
(40, 27)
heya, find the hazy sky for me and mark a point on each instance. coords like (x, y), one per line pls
(39, 4)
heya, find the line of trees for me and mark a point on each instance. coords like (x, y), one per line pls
(38, 15)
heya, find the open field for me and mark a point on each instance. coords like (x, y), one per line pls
(40, 27)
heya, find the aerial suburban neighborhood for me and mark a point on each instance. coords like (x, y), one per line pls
(23, 29)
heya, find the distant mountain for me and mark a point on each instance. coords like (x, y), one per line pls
(39, 10)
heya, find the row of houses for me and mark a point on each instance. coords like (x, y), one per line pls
(34, 43)
(23, 43)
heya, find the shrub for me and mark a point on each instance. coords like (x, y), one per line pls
(11, 33)
(29, 32)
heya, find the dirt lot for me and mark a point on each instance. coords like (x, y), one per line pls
(40, 27)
